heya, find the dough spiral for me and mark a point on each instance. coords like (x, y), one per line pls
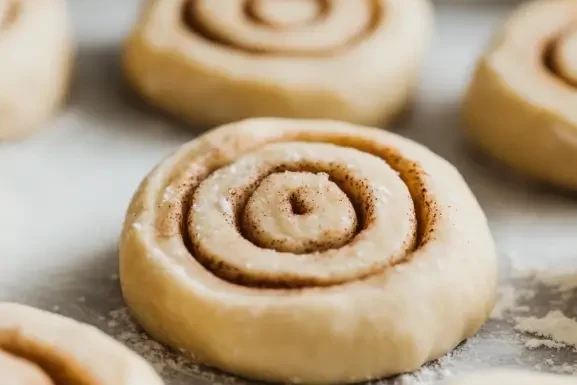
(276, 248)
(36, 47)
(216, 61)
(520, 106)
(41, 348)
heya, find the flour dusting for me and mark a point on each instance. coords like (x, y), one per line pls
(537, 303)
(166, 362)
(427, 375)
(535, 343)
(555, 325)
(171, 365)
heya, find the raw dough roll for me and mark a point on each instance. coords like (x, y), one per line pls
(307, 251)
(215, 61)
(36, 51)
(41, 348)
(522, 103)
(512, 377)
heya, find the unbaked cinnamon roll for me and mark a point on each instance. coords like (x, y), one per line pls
(510, 377)
(36, 51)
(307, 251)
(41, 348)
(215, 61)
(521, 104)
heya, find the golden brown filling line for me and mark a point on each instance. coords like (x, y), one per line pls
(175, 217)
(194, 22)
(550, 55)
(41, 363)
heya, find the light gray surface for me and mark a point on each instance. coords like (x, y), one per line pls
(63, 193)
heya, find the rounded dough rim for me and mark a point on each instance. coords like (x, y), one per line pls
(387, 324)
(517, 108)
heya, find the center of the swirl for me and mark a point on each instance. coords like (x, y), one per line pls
(561, 56)
(299, 212)
(286, 13)
(298, 204)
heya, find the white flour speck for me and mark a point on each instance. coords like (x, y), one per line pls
(427, 375)
(170, 195)
(535, 343)
(292, 156)
(225, 206)
(506, 303)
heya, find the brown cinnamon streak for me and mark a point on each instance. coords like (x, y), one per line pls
(412, 174)
(547, 58)
(60, 369)
(192, 22)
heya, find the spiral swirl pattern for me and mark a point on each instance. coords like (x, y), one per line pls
(213, 62)
(520, 104)
(306, 27)
(303, 221)
(41, 348)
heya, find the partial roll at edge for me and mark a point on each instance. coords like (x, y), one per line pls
(36, 49)
(520, 106)
(41, 348)
(307, 251)
(214, 62)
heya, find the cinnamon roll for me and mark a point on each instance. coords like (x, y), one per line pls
(36, 51)
(521, 104)
(216, 61)
(510, 377)
(41, 348)
(307, 251)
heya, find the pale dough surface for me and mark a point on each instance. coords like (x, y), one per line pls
(415, 278)
(511, 377)
(36, 51)
(520, 106)
(42, 348)
(359, 62)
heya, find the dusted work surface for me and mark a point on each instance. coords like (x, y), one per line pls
(63, 196)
